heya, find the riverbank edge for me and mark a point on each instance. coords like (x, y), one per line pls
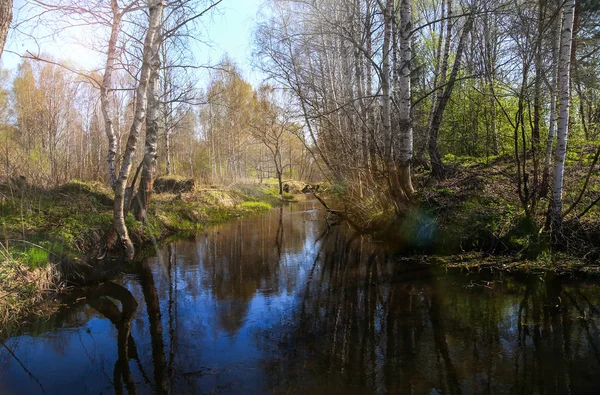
(65, 225)
(474, 262)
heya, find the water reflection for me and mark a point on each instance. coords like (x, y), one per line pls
(100, 300)
(283, 304)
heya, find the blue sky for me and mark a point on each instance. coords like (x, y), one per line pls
(229, 29)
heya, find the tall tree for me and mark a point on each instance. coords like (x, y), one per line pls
(5, 19)
(121, 205)
(106, 87)
(562, 130)
(405, 97)
(142, 199)
(445, 91)
(269, 126)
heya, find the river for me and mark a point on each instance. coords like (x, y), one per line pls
(283, 303)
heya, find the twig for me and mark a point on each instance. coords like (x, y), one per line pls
(584, 212)
(23, 366)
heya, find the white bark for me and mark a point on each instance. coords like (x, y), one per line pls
(552, 120)
(405, 153)
(104, 92)
(5, 19)
(156, 9)
(385, 87)
(564, 85)
(150, 151)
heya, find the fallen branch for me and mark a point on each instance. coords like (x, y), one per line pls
(340, 213)
(584, 212)
(585, 185)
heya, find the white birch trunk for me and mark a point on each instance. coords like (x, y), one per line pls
(405, 153)
(156, 9)
(552, 120)
(385, 90)
(5, 19)
(150, 148)
(104, 92)
(564, 68)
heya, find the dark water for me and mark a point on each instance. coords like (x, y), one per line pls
(278, 304)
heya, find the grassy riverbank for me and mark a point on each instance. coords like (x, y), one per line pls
(46, 235)
(474, 218)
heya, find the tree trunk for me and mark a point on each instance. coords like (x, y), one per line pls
(404, 112)
(156, 9)
(168, 152)
(167, 110)
(535, 129)
(104, 92)
(436, 120)
(394, 183)
(439, 73)
(142, 199)
(5, 19)
(552, 121)
(564, 67)
(280, 182)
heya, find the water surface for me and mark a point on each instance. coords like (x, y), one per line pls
(282, 303)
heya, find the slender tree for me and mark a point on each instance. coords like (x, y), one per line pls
(5, 19)
(122, 203)
(106, 87)
(562, 130)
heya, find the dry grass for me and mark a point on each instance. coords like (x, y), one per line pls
(22, 289)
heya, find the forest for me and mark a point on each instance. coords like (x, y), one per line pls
(462, 132)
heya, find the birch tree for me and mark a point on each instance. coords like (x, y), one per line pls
(106, 87)
(142, 199)
(552, 117)
(269, 126)
(405, 98)
(444, 94)
(140, 106)
(5, 19)
(562, 130)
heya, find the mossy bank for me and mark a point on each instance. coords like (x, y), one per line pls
(49, 237)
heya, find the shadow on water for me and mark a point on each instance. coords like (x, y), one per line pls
(284, 304)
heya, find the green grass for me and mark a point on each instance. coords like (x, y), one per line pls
(255, 207)
(35, 257)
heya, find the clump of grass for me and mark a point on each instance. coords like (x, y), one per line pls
(255, 207)
(35, 257)
(23, 284)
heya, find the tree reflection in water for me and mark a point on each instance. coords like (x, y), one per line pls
(282, 303)
(126, 349)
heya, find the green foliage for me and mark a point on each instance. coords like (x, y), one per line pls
(571, 157)
(526, 238)
(449, 158)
